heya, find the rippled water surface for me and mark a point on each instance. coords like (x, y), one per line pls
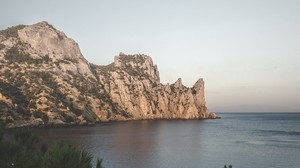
(245, 140)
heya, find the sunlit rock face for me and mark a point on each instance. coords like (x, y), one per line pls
(132, 82)
(45, 80)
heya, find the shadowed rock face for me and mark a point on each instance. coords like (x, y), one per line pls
(45, 80)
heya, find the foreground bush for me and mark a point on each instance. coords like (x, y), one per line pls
(24, 151)
(65, 155)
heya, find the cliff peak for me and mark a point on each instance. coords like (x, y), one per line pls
(138, 64)
(178, 83)
(199, 83)
(45, 23)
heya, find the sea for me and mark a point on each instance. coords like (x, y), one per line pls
(243, 140)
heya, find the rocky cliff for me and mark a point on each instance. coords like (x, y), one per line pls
(45, 80)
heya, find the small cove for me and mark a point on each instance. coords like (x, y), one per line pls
(243, 140)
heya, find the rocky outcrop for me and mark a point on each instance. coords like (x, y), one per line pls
(133, 83)
(45, 80)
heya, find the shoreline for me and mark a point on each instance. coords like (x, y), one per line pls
(68, 125)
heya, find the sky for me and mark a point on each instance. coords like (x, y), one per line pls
(247, 51)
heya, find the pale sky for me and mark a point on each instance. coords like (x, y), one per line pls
(247, 51)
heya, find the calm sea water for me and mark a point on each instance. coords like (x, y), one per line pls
(245, 140)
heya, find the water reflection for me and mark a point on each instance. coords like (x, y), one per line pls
(234, 139)
(131, 143)
(135, 143)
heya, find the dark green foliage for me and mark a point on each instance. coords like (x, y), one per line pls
(61, 97)
(14, 54)
(2, 126)
(57, 95)
(93, 66)
(2, 46)
(76, 111)
(71, 60)
(105, 69)
(13, 92)
(45, 76)
(20, 82)
(194, 91)
(49, 81)
(230, 166)
(134, 71)
(24, 151)
(65, 155)
(132, 58)
(58, 34)
(26, 138)
(41, 115)
(12, 31)
(32, 105)
(50, 26)
(8, 74)
(61, 62)
(24, 112)
(99, 163)
(67, 118)
(46, 58)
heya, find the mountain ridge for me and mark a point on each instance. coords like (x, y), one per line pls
(45, 80)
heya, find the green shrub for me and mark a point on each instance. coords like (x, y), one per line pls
(24, 151)
(41, 115)
(12, 31)
(65, 155)
(15, 54)
(2, 46)
(21, 152)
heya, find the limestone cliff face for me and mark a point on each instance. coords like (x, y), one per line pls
(133, 83)
(45, 80)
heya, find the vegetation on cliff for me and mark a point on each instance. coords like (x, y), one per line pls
(45, 81)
